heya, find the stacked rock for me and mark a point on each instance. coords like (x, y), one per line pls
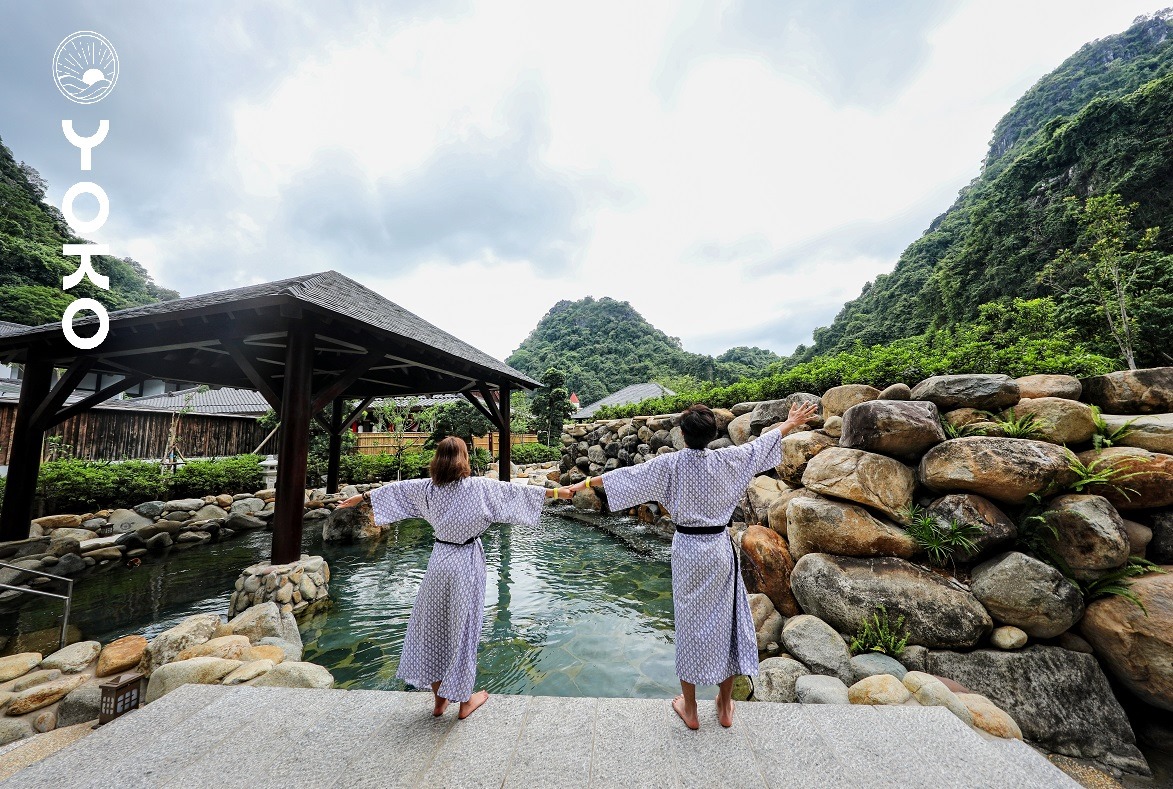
(260, 646)
(293, 587)
(842, 529)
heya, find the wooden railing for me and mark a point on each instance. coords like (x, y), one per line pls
(375, 443)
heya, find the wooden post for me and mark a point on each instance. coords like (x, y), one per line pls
(24, 458)
(505, 441)
(335, 445)
(296, 406)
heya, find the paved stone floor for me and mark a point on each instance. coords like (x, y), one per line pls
(272, 737)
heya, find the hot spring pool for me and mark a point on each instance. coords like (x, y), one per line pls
(571, 609)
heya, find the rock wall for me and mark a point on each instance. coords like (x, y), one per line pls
(829, 538)
(294, 587)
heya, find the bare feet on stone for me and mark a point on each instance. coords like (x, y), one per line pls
(688, 716)
(725, 711)
(441, 706)
(475, 701)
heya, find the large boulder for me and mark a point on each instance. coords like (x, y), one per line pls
(838, 399)
(1154, 433)
(1144, 479)
(1004, 469)
(13, 666)
(878, 689)
(345, 524)
(739, 429)
(1057, 419)
(992, 527)
(777, 677)
(44, 694)
(818, 689)
(1059, 698)
(819, 525)
(1136, 644)
(73, 658)
(767, 622)
(865, 478)
(779, 506)
(797, 450)
(294, 674)
(121, 655)
(818, 646)
(79, 706)
(127, 520)
(1160, 547)
(902, 429)
(259, 621)
(988, 392)
(1088, 534)
(1049, 386)
(896, 392)
(843, 591)
(771, 412)
(164, 647)
(762, 492)
(1022, 591)
(766, 567)
(195, 671)
(1131, 391)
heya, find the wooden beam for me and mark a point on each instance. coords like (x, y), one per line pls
(259, 382)
(480, 407)
(487, 396)
(296, 398)
(335, 457)
(503, 455)
(354, 415)
(343, 382)
(63, 389)
(24, 457)
(101, 396)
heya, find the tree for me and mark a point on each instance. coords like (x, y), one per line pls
(459, 419)
(1108, 256)
(551, 406)
(393, 415)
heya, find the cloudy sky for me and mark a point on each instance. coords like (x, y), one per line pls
(736, 170)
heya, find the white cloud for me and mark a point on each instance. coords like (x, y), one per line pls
(742, 157)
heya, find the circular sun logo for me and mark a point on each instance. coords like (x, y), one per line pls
(85, 67)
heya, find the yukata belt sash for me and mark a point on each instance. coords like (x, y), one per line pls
(700, 529)
(469, 541)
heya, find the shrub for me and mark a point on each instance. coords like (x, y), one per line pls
(939, 540)
(522, 454)
(239, 474)
(1099, 472)
(878, 634)
(1012, 426)
(363, 469)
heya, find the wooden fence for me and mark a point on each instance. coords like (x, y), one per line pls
(124, 434)
(375, 443)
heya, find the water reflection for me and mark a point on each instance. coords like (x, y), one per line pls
(569, 609)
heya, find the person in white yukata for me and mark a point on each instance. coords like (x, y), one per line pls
(440, 647)
(715, 639)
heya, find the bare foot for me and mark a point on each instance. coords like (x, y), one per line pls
(475, 701)
(441, 706)
(725, 713)
(689, 718)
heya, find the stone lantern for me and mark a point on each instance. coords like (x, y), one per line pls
(269, 469)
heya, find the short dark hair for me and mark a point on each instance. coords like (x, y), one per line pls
(699, 425)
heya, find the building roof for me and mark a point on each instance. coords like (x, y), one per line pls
(8, 327)
(625, 396)
(184, 340)
(210, 402)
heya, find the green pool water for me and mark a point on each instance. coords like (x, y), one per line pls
(571, 609)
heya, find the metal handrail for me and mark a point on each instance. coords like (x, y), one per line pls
(67, 597)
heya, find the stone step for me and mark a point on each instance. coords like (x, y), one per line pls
(279, 737)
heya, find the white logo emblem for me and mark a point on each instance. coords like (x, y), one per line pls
(85, 67)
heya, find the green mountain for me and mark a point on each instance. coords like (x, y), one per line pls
(605, 345)
(31, 263)
(1098, 124)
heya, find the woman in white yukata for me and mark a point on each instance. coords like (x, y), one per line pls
(440, 647)
(715, 639)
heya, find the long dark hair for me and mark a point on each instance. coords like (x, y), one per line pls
(450, 462)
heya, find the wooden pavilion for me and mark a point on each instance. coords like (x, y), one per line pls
(307, 344)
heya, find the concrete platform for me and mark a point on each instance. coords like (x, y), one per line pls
(273, 737)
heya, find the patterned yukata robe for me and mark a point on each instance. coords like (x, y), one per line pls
(715, 637)
(445, 623)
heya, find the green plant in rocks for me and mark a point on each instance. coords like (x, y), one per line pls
(940, 540)
(1118, 583)
(1012, 426)
(1105, 436)
(1099, 472)
(879, 633)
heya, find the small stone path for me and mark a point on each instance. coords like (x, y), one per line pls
(274, 737)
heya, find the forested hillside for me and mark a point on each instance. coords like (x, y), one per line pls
(604, 345)
(1098, 124)
(31, 263)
